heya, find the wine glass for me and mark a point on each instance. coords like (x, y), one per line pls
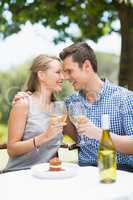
(58, 112)
(58, 115)
(77, 116)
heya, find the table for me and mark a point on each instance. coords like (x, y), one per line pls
(20, 185)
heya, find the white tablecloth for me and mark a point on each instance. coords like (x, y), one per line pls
(21, 185)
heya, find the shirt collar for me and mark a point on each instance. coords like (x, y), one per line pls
(99, 95)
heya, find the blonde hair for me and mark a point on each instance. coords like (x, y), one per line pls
(40, 63)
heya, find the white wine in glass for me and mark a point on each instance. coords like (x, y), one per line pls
(77, 116)
(58, 119)
(58, 112)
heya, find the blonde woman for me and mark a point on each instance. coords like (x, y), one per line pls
(32, 138)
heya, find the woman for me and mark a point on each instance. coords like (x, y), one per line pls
(32, 138)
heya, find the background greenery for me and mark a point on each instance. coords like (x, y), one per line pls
(3, 133)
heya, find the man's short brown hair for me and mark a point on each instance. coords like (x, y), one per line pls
(80, 52)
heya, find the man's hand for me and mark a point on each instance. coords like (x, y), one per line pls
(20, 95)
(90, 130)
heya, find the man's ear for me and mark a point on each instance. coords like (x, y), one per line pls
(87, 65)
(41, 75)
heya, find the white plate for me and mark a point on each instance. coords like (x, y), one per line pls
(42, 171)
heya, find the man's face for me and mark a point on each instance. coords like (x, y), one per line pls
(72, 72)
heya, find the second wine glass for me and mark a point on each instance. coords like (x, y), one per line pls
(77, 116)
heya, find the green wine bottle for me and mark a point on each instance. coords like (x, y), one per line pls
(106, 154)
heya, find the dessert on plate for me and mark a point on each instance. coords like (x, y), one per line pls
(55, 164)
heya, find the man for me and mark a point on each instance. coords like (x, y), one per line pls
(98, 97)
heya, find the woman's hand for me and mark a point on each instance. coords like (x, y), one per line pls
(54, 129)
(90, 130)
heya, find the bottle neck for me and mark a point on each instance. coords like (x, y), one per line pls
(105, 134)
(105, 122)
(106, 140)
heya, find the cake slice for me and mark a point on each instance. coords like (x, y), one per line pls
(55, 164)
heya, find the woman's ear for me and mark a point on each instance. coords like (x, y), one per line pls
(41, 76)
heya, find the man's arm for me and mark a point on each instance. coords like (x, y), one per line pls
(123, 143)
(20, 95)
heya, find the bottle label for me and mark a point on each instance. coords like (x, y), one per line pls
(107, 165)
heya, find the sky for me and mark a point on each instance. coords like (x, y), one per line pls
(35, 39)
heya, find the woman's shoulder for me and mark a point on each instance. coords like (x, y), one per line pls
(22, 103)
(19, 109)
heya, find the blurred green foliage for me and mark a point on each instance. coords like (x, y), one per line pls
(3, 133)
(108, 66)
(11, 82)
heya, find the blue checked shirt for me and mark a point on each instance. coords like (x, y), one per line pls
(118, 103)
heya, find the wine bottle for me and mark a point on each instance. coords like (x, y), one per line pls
(106, 154)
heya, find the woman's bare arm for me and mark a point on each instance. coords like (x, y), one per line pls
(16, 126)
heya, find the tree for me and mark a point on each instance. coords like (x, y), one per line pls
(94, 18)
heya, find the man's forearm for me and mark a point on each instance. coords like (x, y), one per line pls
(123, 144)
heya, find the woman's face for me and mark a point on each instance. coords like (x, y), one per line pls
(54, 76)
